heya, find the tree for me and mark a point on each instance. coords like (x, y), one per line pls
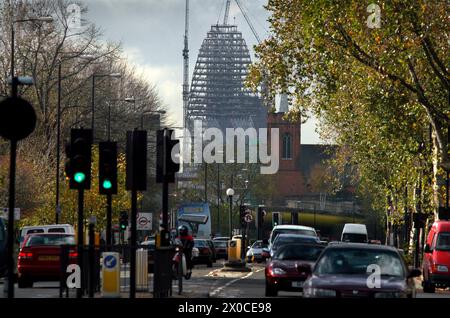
(376, 90)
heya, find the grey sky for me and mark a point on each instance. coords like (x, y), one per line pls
(152, 31)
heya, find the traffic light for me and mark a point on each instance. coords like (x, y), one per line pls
(123, 220)
(78, 167)
(107, 171)
(276, 218)
(166, 147)
(136, 158)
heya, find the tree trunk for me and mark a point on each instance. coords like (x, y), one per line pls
(434, 185)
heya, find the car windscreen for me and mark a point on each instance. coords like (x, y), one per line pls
(354, 237)
(356, 261)
(443, 242)
(302, 252)
(50, 240)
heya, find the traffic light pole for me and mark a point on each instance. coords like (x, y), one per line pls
(80, 291)
(133, 244)
(108, 222)
(12, 197)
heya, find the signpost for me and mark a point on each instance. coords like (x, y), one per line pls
(144, 221)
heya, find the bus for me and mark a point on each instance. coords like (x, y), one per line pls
(197, 217)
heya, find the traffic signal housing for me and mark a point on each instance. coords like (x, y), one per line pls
(107, 171)
(166, 167)
(78, 167)
(136, 159)
(123, 220)
(276, 218)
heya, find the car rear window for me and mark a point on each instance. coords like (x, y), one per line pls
(299, 252)
(200, 243)
(32, 231)
(57, 230)
(220, 244)
(50, 240)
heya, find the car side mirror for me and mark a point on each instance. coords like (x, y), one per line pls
(427, 248)
(304, 268)
(414, 273)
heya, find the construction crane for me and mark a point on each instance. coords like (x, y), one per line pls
(186, 65)
(227, 11)
(248, 21)
(266, 100)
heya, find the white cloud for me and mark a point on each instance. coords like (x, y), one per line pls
(167, 80)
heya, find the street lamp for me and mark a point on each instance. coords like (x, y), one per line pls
(9, 286)
(58, 132)
(94, 76)
(230, 193)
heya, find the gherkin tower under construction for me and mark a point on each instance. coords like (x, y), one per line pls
(218, 96)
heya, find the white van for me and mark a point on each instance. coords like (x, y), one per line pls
(356, 233)
(290, 229)
(52, 228)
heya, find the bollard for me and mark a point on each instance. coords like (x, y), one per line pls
(142, 270)
(111, 274)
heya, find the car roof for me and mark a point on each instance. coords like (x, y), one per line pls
(296, 235)
(50, 234)
(345, 245)
(292, 227)
(442, 225)
(45, 226)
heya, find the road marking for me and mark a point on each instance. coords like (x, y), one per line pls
(220, 289)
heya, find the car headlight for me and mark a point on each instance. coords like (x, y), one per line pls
(278, 271)
(390, 295)
(442, 268)
(318, 292)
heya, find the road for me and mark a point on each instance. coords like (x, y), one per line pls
(205, 282)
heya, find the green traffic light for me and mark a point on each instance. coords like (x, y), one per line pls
(107, 184)
(79, 177)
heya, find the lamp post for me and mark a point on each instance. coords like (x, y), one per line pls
(9, 285)
(58, 137)
(94, 76)
(230, 193)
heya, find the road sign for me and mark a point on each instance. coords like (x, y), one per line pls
(248, 218)
(4, 213)
(17, 118)
(111, 275)
(144, 221)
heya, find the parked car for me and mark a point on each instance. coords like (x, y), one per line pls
(2, 248)
(290, 229)
(206, 254)
(282, 273)
(283, 239)
(343, 270)
(39, 257)
(52, 228)
(436, 259)
(221, 248)
(255, 252)
(356, 233)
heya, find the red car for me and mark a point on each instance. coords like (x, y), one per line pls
(284, 270)
(436, 260)
(39, 257)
